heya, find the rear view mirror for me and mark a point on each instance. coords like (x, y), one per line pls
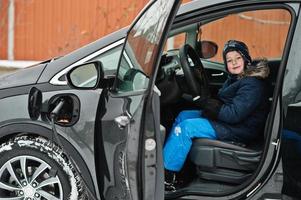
(208, 49)
(85, 76)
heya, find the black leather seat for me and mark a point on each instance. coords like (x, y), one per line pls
(225, 162)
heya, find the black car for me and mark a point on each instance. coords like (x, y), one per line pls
(92, 124)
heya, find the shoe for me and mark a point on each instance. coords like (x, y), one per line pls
(170, 187)
(170, 183)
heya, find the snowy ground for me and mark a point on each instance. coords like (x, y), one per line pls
(7, 66)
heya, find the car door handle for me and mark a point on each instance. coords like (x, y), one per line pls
(220, 74)
(123, 120)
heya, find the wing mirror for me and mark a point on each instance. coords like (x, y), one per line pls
(207, 49)
(85, 76)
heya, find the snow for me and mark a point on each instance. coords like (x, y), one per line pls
(17, 63)
(53, 152)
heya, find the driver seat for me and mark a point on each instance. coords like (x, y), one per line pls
(224, 161)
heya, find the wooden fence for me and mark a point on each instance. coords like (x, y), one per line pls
(45, 29)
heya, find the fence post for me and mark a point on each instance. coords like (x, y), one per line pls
(11, 30)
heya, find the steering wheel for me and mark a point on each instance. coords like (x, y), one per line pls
(188, 56)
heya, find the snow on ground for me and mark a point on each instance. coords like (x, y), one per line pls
(7, 66)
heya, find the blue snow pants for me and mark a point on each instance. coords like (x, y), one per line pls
(189, 124)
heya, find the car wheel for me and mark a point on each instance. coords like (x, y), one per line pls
(33, 168)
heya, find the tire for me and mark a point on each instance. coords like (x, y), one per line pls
(33, 168)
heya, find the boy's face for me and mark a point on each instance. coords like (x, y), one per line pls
(235, 62)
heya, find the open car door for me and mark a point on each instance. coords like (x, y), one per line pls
(130, 139)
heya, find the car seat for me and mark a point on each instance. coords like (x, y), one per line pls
(225, 161)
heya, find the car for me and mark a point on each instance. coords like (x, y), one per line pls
(92, 124)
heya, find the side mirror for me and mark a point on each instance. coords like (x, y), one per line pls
(207, 49)
(85, 76)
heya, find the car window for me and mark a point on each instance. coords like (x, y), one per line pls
(141, 48)
(109, 59)
(264, 32)
(175, 42)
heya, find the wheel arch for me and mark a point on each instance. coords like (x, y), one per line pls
(37, 130)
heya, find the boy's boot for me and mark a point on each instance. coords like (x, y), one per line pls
(170, 180)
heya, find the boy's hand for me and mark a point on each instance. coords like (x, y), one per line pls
(211, 108)
(200, 102)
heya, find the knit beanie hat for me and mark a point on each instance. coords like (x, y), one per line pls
(240, 47)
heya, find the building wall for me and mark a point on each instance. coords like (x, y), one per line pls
(271, 25)
(45, 29)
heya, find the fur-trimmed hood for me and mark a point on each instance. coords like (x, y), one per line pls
(259, 69)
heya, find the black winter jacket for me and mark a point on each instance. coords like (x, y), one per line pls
(242, 116)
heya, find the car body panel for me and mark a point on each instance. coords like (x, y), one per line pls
(27, 76)
(77, 140)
